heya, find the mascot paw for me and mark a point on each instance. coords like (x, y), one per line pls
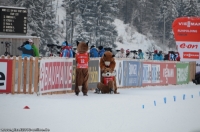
(97, 91)
(111, 91)
(76, 93)
(116, 93)
(85, 94)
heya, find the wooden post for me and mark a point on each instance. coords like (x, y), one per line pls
(25, 73)
(13, 75)
(30, 75)
(36, 76)
(19, 74)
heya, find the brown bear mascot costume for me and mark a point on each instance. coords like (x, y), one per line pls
(108, 61)
(82, 59)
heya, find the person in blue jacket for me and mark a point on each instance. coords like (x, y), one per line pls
(66, 50)
(93, 51)
(101, 51)
(27, 50)
(155, 55)
(140, 54)
(160, 56)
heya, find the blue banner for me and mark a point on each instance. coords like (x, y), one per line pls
(131, 71)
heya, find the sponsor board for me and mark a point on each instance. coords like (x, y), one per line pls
(5, 75)
(182, 72)
(159, 73)
(55, 75)
(186, 29)
(119, 72)
(94, 74)
(191, 55)
(131, 73)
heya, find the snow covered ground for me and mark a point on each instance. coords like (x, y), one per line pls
(133, 110)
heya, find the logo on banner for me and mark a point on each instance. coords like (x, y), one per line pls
(189, 23)
(182, 74)
(155, 71)
(132, 69)
(189, 46)
(3, 74)
(168, 73)
(146, 73)
(191, 55)
(120, 73)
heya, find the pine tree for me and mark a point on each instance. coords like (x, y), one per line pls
(191, 9)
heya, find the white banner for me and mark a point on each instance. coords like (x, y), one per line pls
(55, 74)
(119, 72)
(189, 51)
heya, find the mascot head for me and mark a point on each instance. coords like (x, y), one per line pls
(107, 72)
(108, 57)
(82, 47)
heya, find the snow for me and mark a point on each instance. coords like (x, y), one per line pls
(132, 40)
(106, 112)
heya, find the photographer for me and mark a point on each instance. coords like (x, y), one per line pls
(140, 54)
(121, 54)
(26, 49)
(66, 50)
(35, 49)
(129, 54)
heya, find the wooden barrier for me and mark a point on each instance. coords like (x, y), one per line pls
(192, 70)
(25, 75)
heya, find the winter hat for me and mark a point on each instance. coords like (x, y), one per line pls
(127, 51)
(30, 40)
(155, 51)
(92, 46)
(100, 47)
(65, 43)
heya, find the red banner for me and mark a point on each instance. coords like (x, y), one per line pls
(55, 75)
(5, 75)
(187, 29)
(158, 73)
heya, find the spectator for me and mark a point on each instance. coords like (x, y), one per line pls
(66, 50)
(129, 54)
(121, 54)
(26, 49)
(93, 52)
(35, 49)
(160, 56)
(140, 54)
(155, 55)
(101, 51)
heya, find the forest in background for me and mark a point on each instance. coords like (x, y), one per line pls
(92, 20)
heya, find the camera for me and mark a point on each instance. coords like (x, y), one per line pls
(134, 52)
(7, 44)
(150, 53)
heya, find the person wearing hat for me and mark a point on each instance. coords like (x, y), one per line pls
(35, 49)
(66, 50)
(27, 50)
(129, 54)
(121, 54)
(101, 51)
(140, 54)
(93, 52)
(155, 55)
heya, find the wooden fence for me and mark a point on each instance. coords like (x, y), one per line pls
(25, 75)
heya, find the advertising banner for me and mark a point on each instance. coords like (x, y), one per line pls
(187, 29)
(168, 73)
(182, 72)
(131, 73)
(93, 74)
(187, 35)
(5, 75)
(158, 73)
(55, 75)
(119, 72)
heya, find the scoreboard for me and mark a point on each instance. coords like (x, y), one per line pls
(13, 20)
